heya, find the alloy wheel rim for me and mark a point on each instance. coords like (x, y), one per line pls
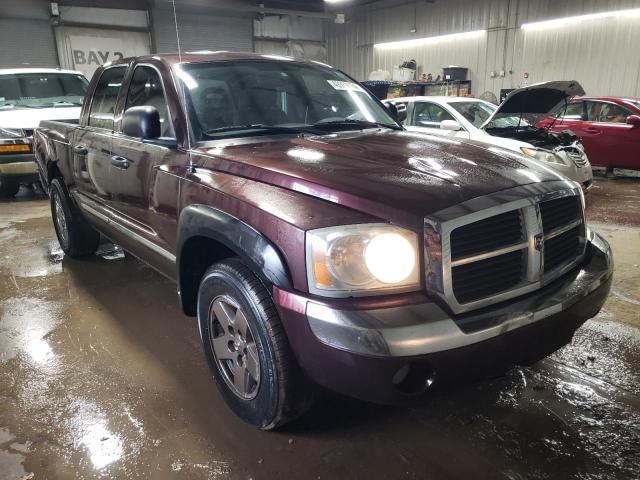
(234, 347)
(61, 222)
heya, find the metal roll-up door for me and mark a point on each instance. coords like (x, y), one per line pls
(26, 43)
(202, 32)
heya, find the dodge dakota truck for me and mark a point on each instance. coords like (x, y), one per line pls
(27, 96)
(317, 242)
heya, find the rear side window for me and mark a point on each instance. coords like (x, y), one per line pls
(429, 115)
(104, 100)
(146, 89)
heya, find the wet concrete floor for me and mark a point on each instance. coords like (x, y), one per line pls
(101, 376)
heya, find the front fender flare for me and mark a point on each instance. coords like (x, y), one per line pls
(258, 252)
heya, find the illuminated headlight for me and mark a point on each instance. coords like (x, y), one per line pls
(13, 140)
(543, 155)
(362, 260)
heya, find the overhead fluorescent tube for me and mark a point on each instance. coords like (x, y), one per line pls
(635, 12)
(423, 41)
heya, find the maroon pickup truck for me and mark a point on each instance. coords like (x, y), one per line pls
(316, 241)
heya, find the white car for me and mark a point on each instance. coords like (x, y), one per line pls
(505, 126)
(27, 96)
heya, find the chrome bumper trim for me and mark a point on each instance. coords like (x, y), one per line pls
(426, 328)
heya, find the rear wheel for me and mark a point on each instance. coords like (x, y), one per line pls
(247, 349)
(9, 187)
(76, 237)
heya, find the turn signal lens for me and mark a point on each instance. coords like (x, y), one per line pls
(15, 148)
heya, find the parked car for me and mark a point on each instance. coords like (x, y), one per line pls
(504, 126)
(27, 96)
(609, 128)
(315, 239)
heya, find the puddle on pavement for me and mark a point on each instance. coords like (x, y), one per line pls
(12, 457)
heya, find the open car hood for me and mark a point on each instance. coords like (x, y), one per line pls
(540, 98)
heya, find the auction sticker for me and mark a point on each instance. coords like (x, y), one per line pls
(338, 85)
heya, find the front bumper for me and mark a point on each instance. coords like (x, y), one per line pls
(21, 165)
(395, 350)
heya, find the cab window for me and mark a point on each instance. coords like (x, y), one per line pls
(429, 115)
(572, 111)
(607, 113)
(146, 89)
(103, 104)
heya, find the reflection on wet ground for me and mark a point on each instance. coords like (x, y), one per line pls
(102, 376)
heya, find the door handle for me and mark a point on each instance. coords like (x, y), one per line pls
(120, 162)
(80, 150)
(592, 130)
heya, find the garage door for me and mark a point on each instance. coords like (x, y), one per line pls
(202, 32)
(26, 43)
(85, 49)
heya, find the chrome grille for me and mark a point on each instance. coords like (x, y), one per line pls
(510, 249)
(487, 235)
(576, 155)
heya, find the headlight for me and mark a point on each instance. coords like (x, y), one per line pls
(13, 140)
(362, 260)
(543, 155)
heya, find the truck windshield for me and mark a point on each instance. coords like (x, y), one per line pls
(41, 90)
(249, 98)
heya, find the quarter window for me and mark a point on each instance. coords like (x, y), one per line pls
(104, 100)
(146, 89)
(429, 115)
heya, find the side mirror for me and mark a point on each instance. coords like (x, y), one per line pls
(633, 120)
(399, 112)
(141, 122)
(450, 125)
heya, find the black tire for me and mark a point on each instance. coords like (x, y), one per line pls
(9, 187)
(283, 392)
(81, 239)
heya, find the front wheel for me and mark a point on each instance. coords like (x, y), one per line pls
(76, 237)
(247, 349)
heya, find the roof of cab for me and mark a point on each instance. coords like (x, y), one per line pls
(203, 56)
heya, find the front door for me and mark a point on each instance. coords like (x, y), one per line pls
(136, 179)
(427, 116)
(610, 141)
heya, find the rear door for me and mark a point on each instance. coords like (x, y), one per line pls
(429, 115)
(91, 146)
(144, 197)
(609, 141)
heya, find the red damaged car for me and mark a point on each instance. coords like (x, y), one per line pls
(609, 128)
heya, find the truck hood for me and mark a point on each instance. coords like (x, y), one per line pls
(539, 98)
(30, 118)
(376, 172)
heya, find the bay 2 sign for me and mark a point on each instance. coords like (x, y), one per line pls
(86, 49)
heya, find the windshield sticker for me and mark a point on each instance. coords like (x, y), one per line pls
(338, 85)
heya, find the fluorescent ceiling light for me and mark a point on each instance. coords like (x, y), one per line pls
(635, 12)
(423, 41)
(334, 1)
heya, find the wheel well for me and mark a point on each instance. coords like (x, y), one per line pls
(53, 171)
(196, 256)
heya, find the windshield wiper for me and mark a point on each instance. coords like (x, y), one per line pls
(355, 123)
(258, 127)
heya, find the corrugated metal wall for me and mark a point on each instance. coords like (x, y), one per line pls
(201, 32)
(27, 43)
(598, 53)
